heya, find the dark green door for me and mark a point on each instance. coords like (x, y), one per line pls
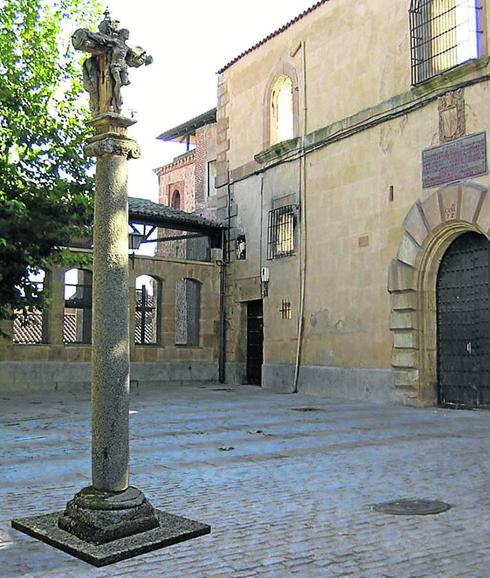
(463, 323)
(255, 342)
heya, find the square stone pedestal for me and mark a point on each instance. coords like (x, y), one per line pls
(172, 530)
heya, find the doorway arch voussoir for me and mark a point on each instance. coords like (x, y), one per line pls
(429, 228)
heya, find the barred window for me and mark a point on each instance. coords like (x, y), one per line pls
(443, 34)
(280, 237)
(30, 327)
(148, 291)
(77, 316)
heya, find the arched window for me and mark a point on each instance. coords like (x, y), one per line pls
(443, 34)
(282, 110)
(30, 329)
(187, 312)
(148, 297)
(77, 316)
(176, 200)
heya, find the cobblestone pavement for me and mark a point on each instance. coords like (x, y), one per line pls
(291, 495)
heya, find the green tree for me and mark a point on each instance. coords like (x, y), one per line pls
(45, 183)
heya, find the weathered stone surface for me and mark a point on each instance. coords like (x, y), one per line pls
(100, 517)
(484, 216)
(401, 277)
(404, 301)
(403, 320)
(449, 198)
(408, 251)
(432, 211)
(110, 340)
(171, 530)
(405, 340)
(415, 224)
(470, 200)
(404, 358)
(407, 378)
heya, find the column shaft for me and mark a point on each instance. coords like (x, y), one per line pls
(110, 327)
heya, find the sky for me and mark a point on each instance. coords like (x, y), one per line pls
(190, 41)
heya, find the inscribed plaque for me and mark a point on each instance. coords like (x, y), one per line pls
(454, 161)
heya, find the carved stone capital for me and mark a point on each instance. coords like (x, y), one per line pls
(111, 145)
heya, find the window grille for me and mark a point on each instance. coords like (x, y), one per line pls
(280, 236)
(286, 310)
(146, 326)
(443, 34)
(30, 328)
(77, 317)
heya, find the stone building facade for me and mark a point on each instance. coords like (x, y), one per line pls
(174, 314)
(188, 182)
(365, 163)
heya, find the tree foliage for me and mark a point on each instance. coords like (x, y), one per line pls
(45, 187)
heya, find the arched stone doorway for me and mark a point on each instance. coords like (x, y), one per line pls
(430, 227)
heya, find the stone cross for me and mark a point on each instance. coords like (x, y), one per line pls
(106, 71)
(110, 520)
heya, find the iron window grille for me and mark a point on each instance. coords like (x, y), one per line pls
(77, 317)
(443, 34)
(30, 327)
(280, 234)
(146, 326)
(286, 310)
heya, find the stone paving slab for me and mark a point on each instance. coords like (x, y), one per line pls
(292, 498)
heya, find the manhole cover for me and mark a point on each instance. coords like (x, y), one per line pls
(306, 409)
(412, 507)
(222, 389)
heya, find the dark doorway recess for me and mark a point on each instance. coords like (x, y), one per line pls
(255, 342)
(463, 323)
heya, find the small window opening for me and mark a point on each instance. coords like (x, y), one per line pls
(77, 316)
(176, 200)
(281, 232)
(30, 329)
(147, 310)
(286, 311)
(282, 110)
(187, 312)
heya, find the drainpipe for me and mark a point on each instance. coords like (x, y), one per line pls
(302, 247)
(222, 314)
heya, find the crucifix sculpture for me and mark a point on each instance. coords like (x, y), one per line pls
(110, 520)
(106, 71)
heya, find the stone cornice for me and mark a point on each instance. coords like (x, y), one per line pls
(177, 163)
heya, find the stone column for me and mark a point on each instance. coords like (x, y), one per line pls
(110, 321)
(110, 509)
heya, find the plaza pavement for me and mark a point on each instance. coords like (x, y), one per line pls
(287, 493)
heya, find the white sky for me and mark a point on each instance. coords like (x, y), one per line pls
(189, 40)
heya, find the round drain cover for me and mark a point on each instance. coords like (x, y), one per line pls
(412, 507)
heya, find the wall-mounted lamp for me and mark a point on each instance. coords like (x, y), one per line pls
(135, 238)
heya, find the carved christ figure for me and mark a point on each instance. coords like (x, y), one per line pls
(106, 71)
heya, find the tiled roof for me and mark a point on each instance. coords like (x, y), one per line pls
(190, 126)
(163, 216)
(30, 330)
(31, 333)
(273, 34)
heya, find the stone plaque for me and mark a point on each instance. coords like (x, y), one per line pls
(454, 161)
